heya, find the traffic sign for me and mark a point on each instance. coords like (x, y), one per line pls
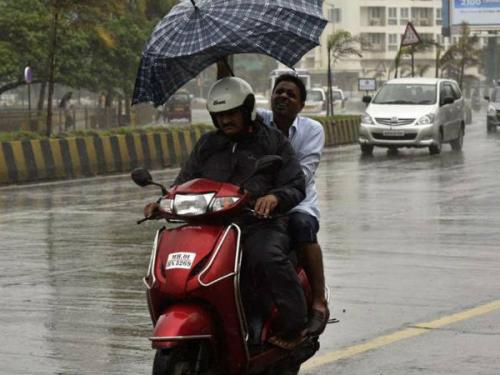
(410, 37)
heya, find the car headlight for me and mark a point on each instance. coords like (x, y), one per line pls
(492, 111)
(367, 119)
(426, 120)
(192, 204)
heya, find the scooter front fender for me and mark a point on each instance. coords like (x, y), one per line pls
(180, 323)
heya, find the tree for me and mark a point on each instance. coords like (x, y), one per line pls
(461, 55)
(339, 44)
(78, 15)
(23, 37)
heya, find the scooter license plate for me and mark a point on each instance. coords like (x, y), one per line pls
(180, 260)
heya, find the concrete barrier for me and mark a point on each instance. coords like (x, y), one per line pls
(64, 158)
(50, 159)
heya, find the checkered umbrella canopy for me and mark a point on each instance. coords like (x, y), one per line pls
(197, 33)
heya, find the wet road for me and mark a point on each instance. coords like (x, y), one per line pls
(408, 239)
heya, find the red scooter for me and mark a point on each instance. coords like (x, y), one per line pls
(193, 287)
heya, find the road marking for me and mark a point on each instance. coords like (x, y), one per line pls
(413, 331)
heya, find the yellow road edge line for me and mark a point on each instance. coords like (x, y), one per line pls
(415, 330)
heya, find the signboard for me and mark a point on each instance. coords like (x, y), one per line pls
(483, 13)
(410, 37)
(367, 84)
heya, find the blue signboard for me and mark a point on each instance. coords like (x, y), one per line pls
(477, 13)
(483, 4)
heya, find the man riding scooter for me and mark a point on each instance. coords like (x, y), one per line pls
(228, 154)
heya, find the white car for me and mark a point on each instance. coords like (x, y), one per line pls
(315, 101)
(414, 112)
(261, 101)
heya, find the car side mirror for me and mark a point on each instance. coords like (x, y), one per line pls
(366, 99)
(447, 100)
(487, 98)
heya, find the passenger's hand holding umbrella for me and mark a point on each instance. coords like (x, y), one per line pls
(198, 33)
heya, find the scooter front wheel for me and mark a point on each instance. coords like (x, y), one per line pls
(182, 360)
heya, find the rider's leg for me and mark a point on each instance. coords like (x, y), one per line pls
(265, 260)
(303, 230)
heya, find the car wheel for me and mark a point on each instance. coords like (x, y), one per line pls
(435, 148)
(456, 144)
(366, 149)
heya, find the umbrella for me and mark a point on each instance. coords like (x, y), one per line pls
(197, 33)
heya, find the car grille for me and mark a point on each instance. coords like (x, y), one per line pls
(406, 137)
(388, 121)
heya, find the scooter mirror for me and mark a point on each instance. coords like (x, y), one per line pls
(141, 177)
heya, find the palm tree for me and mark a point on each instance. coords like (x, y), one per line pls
(461, 55)
(339, 44)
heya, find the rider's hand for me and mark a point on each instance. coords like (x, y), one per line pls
(265, 205)
(151, 210)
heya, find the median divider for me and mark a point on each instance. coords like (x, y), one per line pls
(73, 157)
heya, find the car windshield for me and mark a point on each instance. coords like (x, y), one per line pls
(314, 96)
(495, 95)
(406, 93)
(336, 95)
(180, 99)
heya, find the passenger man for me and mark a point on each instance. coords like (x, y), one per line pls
(228, 154)
(307, 138)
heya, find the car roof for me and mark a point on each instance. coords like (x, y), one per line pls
(421, 80)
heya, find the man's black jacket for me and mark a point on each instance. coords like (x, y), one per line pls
(216, 156)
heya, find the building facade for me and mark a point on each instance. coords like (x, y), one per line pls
(380, 25)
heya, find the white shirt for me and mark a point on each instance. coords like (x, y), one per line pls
(307, 138)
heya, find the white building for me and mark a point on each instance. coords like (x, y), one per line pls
(381, 23)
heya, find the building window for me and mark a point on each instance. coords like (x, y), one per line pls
(439, 16)
(376, 16)
(373, 42)
(404, 16)
(335, 15)
(392, 18)
(422, 16)
(393, 42)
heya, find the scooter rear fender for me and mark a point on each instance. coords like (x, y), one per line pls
(180, 323)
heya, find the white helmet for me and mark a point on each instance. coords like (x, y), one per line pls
(230, 93)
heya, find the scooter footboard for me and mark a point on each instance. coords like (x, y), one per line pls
(180, 323)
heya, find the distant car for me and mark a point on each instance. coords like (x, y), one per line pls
(414, 112)
(178, 107)
(493, 114)
(261, 101)
(315, 101)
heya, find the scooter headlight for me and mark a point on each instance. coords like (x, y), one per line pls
(166, 205)
(223, 203)
(192, 204)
